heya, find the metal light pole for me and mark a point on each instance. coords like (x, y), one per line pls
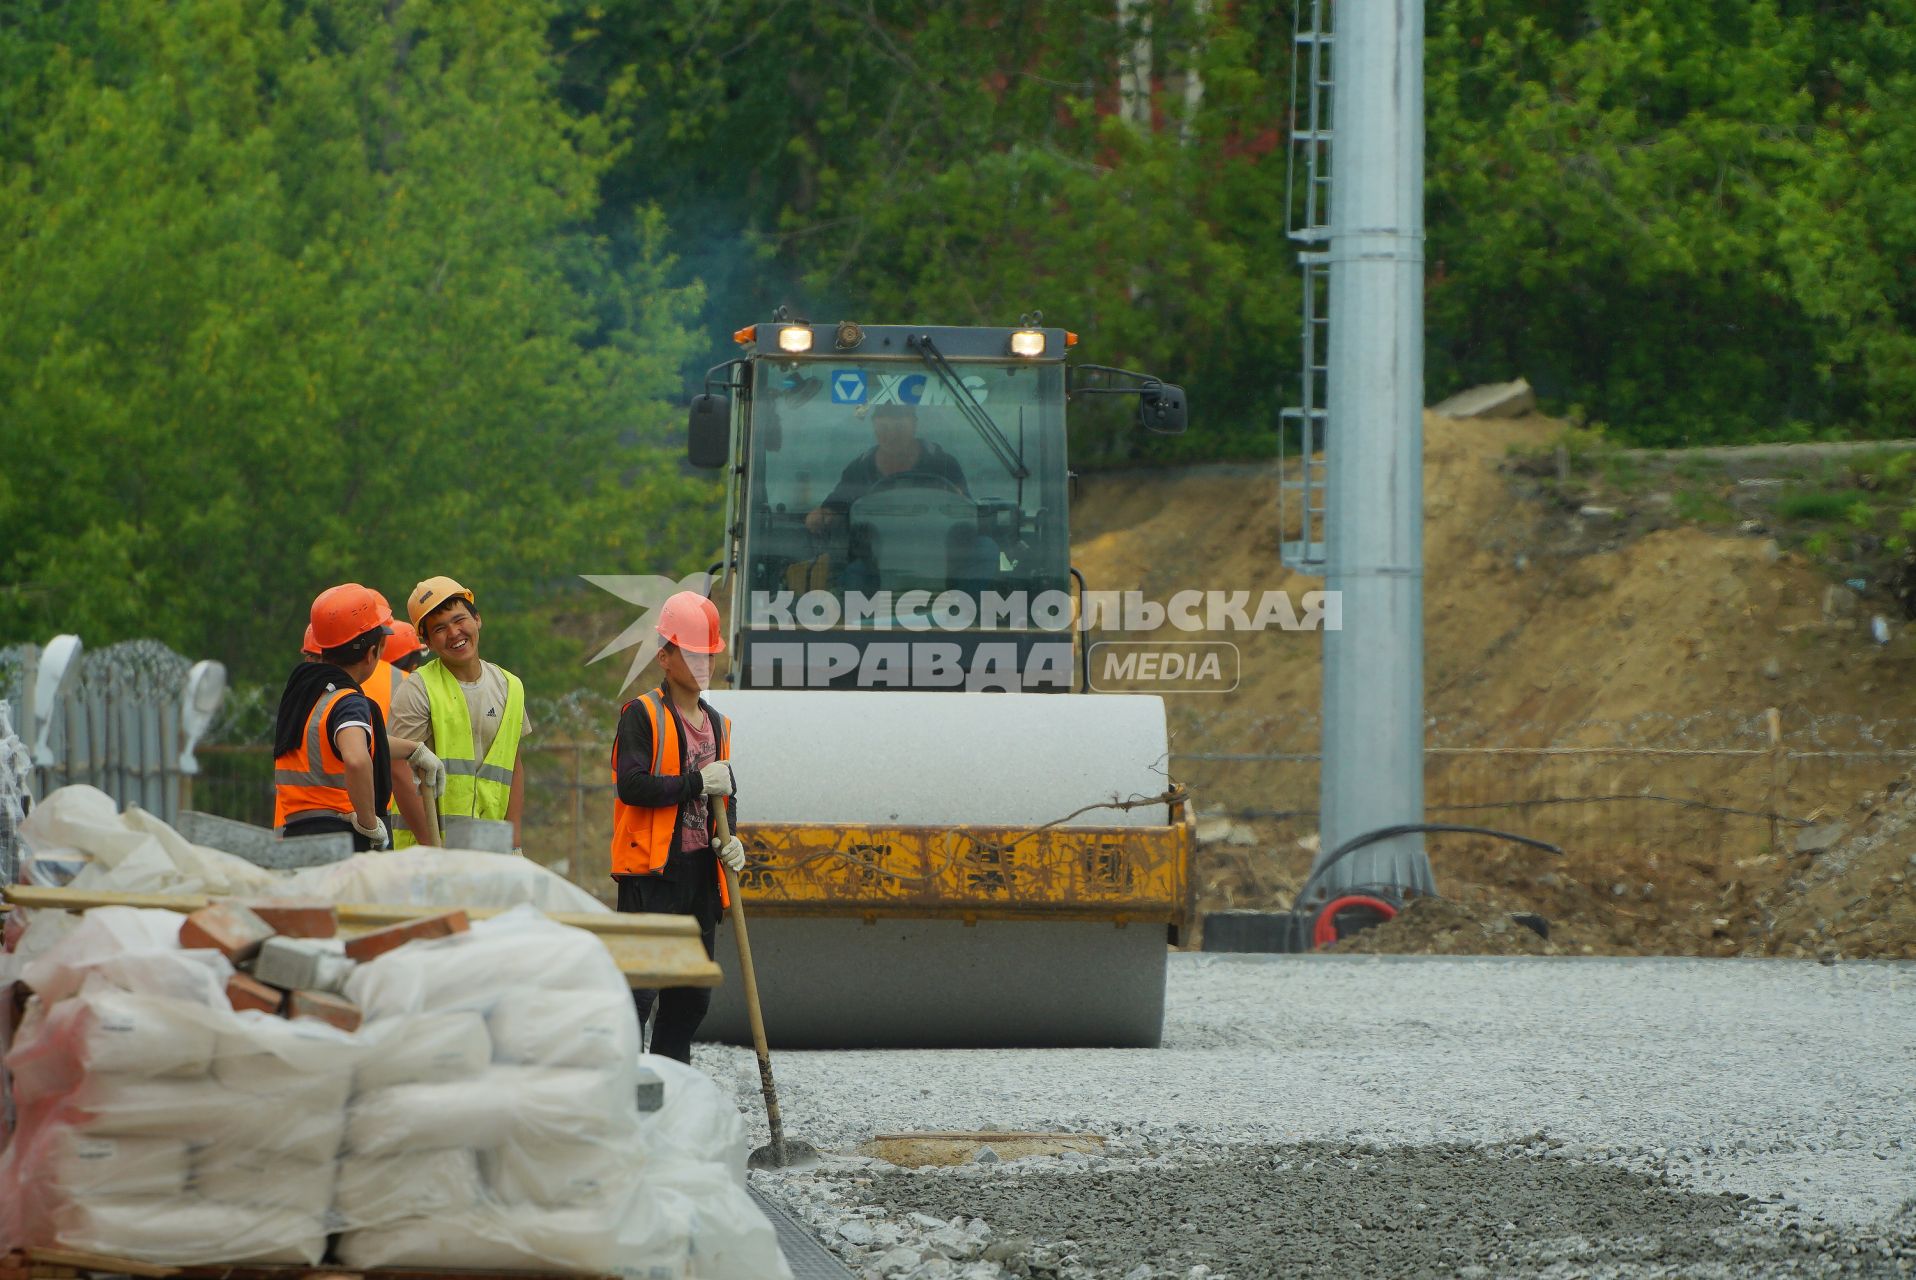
(1373, 734)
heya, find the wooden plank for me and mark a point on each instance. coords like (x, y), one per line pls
(99, 1262)
(27, 895)
(371, 915)
(367, 915)
(650, 950)
(662, 962)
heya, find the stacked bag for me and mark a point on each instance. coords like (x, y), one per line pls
(153, 1121)
(480, 1111)
(495, 1124)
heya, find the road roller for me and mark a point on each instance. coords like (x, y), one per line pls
(953, 839)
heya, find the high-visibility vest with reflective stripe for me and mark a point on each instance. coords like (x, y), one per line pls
(311, 781)
(474, 788)
(382, 686)
(641, 836)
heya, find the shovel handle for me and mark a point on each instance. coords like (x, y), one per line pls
(750, 979)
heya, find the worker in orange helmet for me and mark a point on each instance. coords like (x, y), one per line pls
(332, 758)
(670, 757)
(403, 647)
(407, 813)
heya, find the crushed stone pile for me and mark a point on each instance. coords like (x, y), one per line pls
(1306, 1209)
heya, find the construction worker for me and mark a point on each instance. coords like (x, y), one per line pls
(471, 712)
(331, 752)
(407, 813)
(669, 757)
(403, 649)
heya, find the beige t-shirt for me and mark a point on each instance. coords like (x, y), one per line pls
(485, 703)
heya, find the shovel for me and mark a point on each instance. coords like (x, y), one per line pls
(779, 1153)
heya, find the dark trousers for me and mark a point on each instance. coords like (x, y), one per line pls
(687, 887)
(331, 826)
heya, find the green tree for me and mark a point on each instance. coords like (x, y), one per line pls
(300, 294)
(897, 163)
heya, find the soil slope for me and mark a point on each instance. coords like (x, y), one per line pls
(1550, 628)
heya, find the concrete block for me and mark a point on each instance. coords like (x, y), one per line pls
(262, 846)
(1493, 400)
(368, 946)
(243, 992)
(651, 1090)
(226, 927)
(298, 917)
(486, 835)
(323, 1005)
(295, 964)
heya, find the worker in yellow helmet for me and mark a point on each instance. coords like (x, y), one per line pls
(472, 712)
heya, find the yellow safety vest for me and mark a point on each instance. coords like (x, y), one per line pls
(474, 788)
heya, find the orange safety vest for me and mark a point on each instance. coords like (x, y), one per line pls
(311, 781)
(382, 686)
(642, 837)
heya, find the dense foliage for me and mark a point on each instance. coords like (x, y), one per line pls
(305, 290)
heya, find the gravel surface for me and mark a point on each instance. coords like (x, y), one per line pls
(1552, 1116)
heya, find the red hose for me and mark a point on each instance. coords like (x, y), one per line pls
(1324, 932)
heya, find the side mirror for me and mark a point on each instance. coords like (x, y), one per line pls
(708, 438)
(1161, 409)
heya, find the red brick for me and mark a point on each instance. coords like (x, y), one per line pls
(368, 946)
(226, 927)
(340, 1013)
(297, 917)
(243, 992)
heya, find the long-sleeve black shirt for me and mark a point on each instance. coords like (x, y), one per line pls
(632, 766)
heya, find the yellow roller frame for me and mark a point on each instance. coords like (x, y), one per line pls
(1121, 874)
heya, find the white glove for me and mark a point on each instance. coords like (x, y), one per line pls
(375, 833)
(732, 854)
(718, 779)
(428, 770)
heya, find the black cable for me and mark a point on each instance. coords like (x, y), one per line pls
(1404, 829)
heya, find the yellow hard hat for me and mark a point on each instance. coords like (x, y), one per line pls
(432, 593)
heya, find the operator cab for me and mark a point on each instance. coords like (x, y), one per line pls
(897, 511)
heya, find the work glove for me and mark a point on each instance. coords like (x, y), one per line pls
(428, 770)
(375, 833)
(717, 779)
(732, 854)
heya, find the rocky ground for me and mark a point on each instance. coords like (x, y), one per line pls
(1390, 1116)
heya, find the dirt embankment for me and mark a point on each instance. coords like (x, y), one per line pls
(1551, 628)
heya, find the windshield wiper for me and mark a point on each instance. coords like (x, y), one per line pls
(968, 406)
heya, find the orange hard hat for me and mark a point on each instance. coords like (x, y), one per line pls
(691, 622)
(403, 640)
(385, 609)
(430, 594)
(344, 613)
(309, 645)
